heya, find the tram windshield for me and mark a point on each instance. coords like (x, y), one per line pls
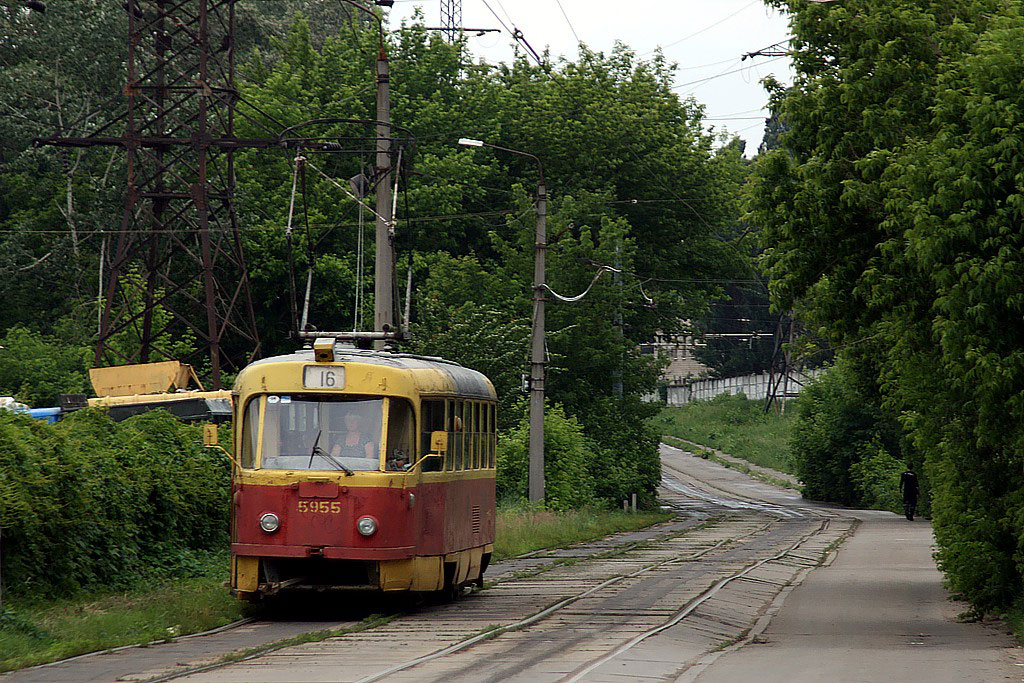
(304, 432)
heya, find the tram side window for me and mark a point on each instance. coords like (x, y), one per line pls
(250, 432)
(467, 447)
(460, 436)
(432, 416)
(467, 441)
(454, 422)
(399, 454)
(478, 440)
(488, 433)
(494, 435)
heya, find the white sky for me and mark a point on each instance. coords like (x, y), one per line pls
(706, 38)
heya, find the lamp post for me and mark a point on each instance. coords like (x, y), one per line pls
(537, 356)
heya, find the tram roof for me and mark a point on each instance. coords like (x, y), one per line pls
(465, 381)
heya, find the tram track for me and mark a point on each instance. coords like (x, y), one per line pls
(746, 530)
(542, 614)
(532, 627)
(687, 609)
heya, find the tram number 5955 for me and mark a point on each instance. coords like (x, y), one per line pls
(323, 506)
(318, 377)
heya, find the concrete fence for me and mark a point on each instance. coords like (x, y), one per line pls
(752, 386)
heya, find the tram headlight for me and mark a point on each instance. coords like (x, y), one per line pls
(367, 526)
(270, 522)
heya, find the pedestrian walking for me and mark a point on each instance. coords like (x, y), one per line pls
(909, 488)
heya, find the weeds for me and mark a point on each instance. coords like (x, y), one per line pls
(735, 425)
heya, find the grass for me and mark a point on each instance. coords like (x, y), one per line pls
(36, 631)
(736, 425)
(523, 529)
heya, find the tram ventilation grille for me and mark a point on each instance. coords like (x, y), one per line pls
(475, 517)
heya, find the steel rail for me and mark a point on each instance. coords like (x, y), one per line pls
(690, 607)
(750, 505)
(162, 641)
(528, 621)
(755, 504)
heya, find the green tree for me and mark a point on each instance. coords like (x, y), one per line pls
(37, 369)
(890, 218)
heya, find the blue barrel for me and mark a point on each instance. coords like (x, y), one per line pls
(51, 415)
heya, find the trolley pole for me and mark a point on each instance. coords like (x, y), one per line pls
(538, 356)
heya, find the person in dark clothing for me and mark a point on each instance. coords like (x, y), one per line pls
(909, 488)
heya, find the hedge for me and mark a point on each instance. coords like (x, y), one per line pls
(88, 501)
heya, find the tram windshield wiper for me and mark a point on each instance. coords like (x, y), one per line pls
(326, 456)
(316, 447)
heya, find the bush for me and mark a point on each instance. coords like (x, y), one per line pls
(626, 459)
(876, 478)
(88, 501)
(36, 369)
(567, 454)
(840, 421)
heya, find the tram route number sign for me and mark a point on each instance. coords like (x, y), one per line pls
(320, 377)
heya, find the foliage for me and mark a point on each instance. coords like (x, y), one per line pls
(36, 369)
(735, 425)
(88, 501)
(634, 181)
(841, 421)
(891, 217)
(569, 481)
(876, 477)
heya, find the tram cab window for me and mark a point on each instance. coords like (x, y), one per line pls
(432, 420)
(399, 455)
(250, 432)
(311, 432)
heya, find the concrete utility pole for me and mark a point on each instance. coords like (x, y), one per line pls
(538, 359)
(384, 262)
(383, 285)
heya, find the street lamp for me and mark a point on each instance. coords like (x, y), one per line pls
(537, 362)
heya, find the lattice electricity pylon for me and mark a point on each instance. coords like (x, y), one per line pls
(451, 19)
(178, 250)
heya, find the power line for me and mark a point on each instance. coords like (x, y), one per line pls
(726, 73)
(500, 21)
(575, 35)
(706, 28)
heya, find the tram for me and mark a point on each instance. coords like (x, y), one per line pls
(361, 470)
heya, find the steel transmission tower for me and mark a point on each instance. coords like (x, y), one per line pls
(451, 19)
(178, 249)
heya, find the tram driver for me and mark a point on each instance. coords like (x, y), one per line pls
(357, 443)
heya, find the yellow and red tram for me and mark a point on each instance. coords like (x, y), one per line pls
(361, 470)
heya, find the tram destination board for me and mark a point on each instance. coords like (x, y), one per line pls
(320, 377)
